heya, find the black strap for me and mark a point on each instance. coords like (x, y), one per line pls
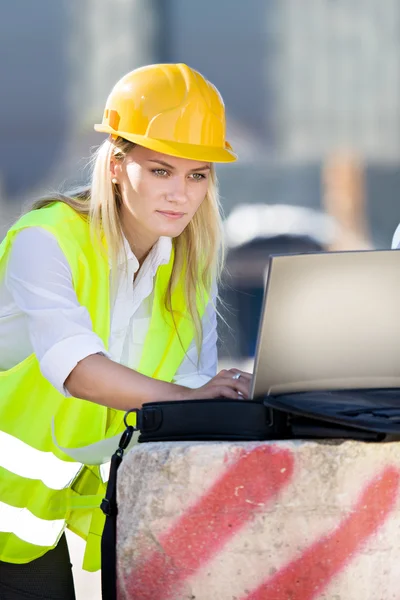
(110, 509)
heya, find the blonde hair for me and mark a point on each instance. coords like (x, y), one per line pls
(198, 249)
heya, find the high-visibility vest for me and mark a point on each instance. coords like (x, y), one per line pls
(42, 490)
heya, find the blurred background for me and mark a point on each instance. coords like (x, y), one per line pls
(312, 90)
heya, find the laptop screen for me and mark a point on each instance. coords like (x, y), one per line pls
(329, 321)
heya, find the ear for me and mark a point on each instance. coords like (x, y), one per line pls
(115, 170)
(112, 167)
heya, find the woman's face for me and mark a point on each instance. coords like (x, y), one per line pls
(160, 193)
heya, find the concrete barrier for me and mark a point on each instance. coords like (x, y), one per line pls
(259, 521)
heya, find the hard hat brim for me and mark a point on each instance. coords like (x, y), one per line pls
(188, 151)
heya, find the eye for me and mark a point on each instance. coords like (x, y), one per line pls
(160, 172)
(197, 176)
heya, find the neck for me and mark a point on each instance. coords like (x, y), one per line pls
(139, 242)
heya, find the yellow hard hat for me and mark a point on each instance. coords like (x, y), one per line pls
(171, 109)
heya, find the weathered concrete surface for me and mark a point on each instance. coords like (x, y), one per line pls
(259, 521)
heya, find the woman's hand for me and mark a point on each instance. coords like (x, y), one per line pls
(226, 384)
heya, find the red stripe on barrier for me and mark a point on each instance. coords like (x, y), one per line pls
(306, 577)
(206, 527)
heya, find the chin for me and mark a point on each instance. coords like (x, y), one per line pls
(172, 230)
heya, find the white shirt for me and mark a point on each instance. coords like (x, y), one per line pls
(40, 313)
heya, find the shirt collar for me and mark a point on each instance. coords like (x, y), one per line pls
(160, 254)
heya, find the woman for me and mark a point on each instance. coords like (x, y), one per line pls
(107, 301)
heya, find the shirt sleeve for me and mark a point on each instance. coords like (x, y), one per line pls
(39, 279)
(193, 372)
(396, 239)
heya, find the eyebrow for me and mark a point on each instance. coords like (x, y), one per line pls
(165, 164)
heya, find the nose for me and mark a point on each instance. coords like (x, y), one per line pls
(177, 192)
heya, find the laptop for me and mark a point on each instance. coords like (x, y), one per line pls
(329, 321)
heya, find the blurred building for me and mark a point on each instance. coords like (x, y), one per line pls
(60, 60)
(108, 39)
(35, 75)
(337, 75)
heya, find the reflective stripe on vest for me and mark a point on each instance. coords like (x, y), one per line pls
(23, 460)
(29, 528)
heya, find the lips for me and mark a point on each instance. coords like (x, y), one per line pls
(170, 214)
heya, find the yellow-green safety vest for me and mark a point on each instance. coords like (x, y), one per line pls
(42, 490)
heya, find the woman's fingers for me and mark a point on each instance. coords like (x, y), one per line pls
(238, 388)
(232, 372)
(241, 385)
(217, 391)
(243, 374)
(225, 385)
(227, 392)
